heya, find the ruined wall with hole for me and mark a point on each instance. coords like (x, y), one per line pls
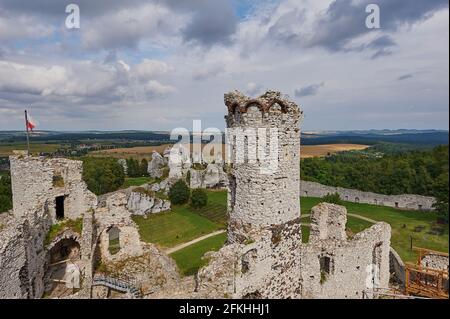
(115, 214)
(406, 201)
(334, 266)
(38, 181)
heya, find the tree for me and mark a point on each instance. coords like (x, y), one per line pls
(102, 175)
(144, 167)
(440, 190)
(332, 199)
(5, 193)
(199, 198)
(133, 168)
(179, 193)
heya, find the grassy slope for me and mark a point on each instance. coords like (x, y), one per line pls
(216, 209)
(189, 259)
(175, 227)
(136, 181)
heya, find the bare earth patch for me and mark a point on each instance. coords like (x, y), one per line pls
(308, 151)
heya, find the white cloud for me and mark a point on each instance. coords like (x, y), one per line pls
(23, 26)
(155, 72)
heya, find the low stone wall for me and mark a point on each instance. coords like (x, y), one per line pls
(397, 267)
(406, 201)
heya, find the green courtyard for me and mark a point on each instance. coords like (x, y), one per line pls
(184, 224)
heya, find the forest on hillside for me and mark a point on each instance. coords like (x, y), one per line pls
(414, 172)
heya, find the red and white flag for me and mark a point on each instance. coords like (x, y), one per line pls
(31, 123)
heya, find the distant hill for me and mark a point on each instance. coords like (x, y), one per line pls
(418, 138)
(427, 138)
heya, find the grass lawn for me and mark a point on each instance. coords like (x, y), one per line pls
(136, 181)
(189, 259)
(216, 209)
(403, 225)
(175, 227)
(185, 223)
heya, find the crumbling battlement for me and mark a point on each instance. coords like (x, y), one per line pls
(257, 199)
(38, 181)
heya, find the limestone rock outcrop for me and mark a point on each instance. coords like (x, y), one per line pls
(140, 203)
(156, 165)
(212, 177)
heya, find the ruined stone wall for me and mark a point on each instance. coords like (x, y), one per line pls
(333, 266)
(33, 185)
(22, 256)
(116, 214)
(397, 267)
(406, 201)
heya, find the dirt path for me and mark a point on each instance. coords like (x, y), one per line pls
(184, 245)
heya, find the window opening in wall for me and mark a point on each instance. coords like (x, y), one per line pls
(114, 240)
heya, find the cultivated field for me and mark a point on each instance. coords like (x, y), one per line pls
(146, 151)
(7, 149)
(307, 151)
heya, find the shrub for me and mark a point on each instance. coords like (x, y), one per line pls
(188, 177)
(179, 193)
(199, 198)
(58, 181)
(332, 199)
(5, 193)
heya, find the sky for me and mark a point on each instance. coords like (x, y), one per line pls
(160, 64)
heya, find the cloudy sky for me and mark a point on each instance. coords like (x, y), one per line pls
(159, 64)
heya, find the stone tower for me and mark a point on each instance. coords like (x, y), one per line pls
(264, 204)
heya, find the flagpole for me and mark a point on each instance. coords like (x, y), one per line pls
(28, 137)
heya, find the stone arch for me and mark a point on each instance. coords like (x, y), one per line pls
(357, 200)
(63, 265)
(262, 108)
(283, 106)
(65, 248)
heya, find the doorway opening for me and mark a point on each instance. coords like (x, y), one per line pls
(59, 207)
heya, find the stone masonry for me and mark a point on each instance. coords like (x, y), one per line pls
(264, 256)
(38, 181)
(405, 201)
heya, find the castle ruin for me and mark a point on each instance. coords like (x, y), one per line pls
(264, 256)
